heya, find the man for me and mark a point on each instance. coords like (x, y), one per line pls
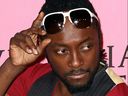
(68, 34)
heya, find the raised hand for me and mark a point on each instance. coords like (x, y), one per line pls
(24, 46)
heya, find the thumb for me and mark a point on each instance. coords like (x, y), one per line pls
(43, 45)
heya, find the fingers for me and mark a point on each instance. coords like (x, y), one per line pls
(23, 42)
(36, 26)
(27, 39)
(43, 45)
(28, 43)
(38, 20)
(38, 31)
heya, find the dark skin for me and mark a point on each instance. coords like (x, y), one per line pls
(23, 52)
(74, 56)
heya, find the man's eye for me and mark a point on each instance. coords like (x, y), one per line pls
(86, 47)
(62, 51)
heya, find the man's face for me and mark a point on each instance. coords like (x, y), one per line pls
(74, 54)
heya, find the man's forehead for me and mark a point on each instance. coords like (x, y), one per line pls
(70, 30)
(76, 36)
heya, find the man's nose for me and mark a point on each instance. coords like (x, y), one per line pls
(76, 60)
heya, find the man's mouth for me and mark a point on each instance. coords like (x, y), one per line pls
(78, 74)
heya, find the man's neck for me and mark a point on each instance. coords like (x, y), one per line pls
(61, 90)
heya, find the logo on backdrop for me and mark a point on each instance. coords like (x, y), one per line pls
(122, 64)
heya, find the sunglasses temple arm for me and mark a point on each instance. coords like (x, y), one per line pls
(93, 15)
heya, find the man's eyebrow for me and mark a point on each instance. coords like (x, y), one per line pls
(86, 40)
(57, 45)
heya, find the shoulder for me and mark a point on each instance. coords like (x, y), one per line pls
(34, 72)
(24, 81)
(120, 88)
(113, 76)
(37, 69)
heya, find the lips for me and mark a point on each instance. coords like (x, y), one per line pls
(78, 74)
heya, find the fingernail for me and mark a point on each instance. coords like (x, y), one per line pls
(48, 40)
(35, 51)
(41, 13)
(29, 50)
(43, 32)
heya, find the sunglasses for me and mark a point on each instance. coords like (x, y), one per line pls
(80, 17)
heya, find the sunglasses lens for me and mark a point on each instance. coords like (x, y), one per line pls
(53, 23)
(81, 18)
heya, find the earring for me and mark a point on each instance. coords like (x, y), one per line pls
(101, 63)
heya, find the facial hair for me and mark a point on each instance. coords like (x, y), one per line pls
(76, 89)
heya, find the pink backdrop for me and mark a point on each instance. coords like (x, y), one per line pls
(19, 14)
